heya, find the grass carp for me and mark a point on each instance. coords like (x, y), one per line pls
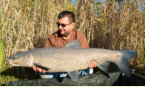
(72, 58)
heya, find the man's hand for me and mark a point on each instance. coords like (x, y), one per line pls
(93, 64)
(35, 68)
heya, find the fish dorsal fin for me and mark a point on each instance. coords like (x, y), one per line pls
(74, 75)
(73, 44)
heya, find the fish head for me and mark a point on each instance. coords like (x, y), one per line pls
(20, 59)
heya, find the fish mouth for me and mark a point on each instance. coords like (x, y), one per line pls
(10, 61)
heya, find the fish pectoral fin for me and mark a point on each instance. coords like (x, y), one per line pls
(74, 75)
(104, 67)
(40, 66)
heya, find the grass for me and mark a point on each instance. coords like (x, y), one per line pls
(25, 24)
(1, 41)
(1, 53)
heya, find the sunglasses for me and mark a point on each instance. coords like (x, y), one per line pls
(62, 25)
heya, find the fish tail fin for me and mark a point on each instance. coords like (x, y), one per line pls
(123, 63)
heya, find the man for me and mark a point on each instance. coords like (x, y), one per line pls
(64, 35)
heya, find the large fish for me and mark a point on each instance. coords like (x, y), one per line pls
(72, 58)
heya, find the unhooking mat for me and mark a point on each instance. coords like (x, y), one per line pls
(116, 79)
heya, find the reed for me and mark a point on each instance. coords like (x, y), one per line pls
(27, 23)
(1, 53)
(1, 47)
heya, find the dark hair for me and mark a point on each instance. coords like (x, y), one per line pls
(68, 14)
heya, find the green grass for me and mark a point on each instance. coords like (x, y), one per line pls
(1, 53)
(1, 41)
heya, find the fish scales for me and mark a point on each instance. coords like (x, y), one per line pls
(68, 59)
(72, 58)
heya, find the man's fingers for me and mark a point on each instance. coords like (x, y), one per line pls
(93, 64)
(43, 71)
(34, 68)
(90, 66)
(39, 69)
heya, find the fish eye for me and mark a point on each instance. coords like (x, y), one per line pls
(15, 57)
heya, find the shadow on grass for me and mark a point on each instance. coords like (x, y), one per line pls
(21, 73)
(140, 71)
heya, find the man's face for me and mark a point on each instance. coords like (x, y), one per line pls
(65, 26)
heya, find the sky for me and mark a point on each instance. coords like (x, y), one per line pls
(75, 1)
(141, 8)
